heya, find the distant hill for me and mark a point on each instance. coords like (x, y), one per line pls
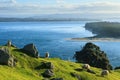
(104, 29)
(37, 19)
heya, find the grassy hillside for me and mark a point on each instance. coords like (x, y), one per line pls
(25, 69)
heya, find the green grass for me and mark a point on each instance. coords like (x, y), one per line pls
(25, 69)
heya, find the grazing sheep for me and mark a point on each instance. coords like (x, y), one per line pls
(47, 55)
(104, 72)
(9, 43)
(86, 66)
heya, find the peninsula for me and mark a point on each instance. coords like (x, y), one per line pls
(105, 31)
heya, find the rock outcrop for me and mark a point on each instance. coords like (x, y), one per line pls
(48, 65)
(48, 73)
(45, 65)
(31, 50)
(6, 58)
(91, 54)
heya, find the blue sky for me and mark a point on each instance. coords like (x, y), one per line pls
(83, 8)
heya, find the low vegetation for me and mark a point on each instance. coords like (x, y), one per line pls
(29, 68)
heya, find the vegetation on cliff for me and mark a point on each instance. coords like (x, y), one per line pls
(32, 68)
(104, 29)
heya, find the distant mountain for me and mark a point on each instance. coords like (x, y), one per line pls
(51, 17)
(44, 19)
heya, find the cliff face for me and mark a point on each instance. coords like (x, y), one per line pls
(104, 29)
(91, 54)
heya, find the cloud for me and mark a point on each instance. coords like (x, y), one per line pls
(7, 1)
(60, 1)
(99, 6)
(62, 7)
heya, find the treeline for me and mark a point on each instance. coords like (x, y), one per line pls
(104, 29)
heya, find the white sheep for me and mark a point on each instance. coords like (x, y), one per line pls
(104, 72)
(9, 43)
(47, 55)
(86, 66)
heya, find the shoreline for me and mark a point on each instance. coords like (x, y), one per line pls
(94, 39)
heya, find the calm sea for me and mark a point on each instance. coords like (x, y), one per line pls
(50, 36)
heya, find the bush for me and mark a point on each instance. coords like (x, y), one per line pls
(91, 54)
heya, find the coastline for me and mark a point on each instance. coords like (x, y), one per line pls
(95, 39)
(106, 32)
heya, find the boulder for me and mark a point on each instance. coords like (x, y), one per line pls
(6, 58)
(31, 50)
(48, 65)
(45, 65)
(48, 73)
(92, 55)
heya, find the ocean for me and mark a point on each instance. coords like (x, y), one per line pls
(50, 36)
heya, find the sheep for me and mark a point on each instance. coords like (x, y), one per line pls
(47, 55)
(9, 43)
(104, 72)
(86, 66)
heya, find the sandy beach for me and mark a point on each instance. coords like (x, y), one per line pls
(95, 39)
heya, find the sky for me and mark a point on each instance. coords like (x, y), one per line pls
(81, 8)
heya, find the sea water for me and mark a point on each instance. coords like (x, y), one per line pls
(50, 36)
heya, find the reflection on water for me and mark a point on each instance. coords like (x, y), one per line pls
(50, 37)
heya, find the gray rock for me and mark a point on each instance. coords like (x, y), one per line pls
(45, 65)
(6, 58)
(31, 50)
(48, 73)
(49, 65)
(57, 79)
